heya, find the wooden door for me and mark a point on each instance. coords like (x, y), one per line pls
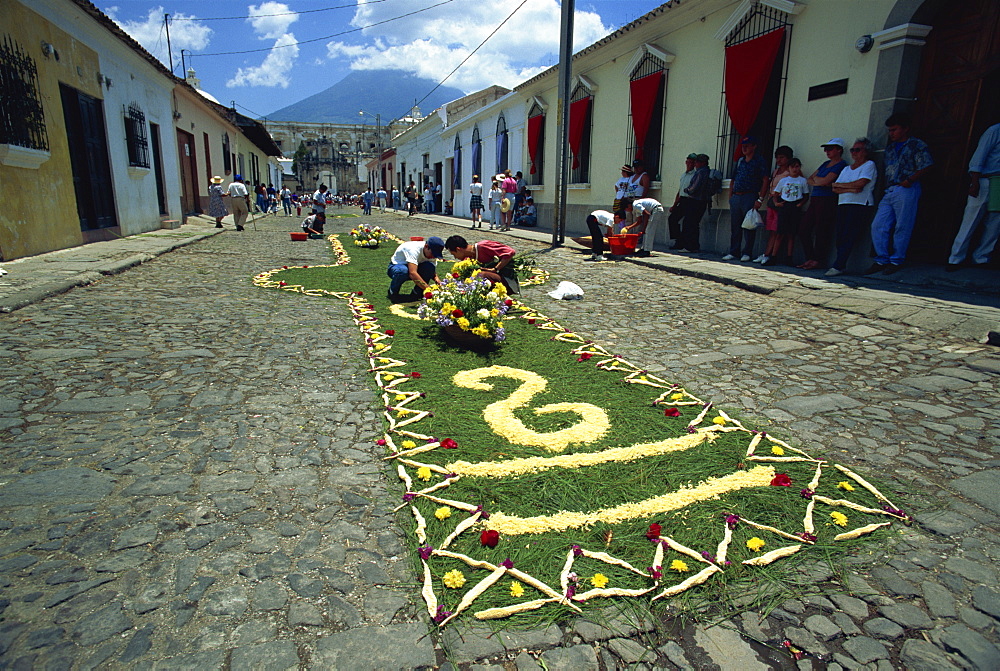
(956, 101)
(185, 154)
(88, 150)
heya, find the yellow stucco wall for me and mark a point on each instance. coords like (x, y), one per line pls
(39, 213)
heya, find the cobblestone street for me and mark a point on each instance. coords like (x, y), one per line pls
(188, 475)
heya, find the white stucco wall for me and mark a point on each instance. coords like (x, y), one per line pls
(133, 79)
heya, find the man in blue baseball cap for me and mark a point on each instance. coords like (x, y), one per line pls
(239, 201)
(415, 260)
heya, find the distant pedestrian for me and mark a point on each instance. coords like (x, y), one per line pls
(638, 183)
(676, 211)
(476, 202)
(396, 203)
(381, 195)
(792, 195)
(367, 198)
(818, 222)
(319, 200)
(216, 206)
(855, 201)
(429, 198)
(907, 160)
(286, 201)
(438, 204)
(411, 198)
(239, 201)
(496, 196)
(697, 196)
(621, 187)
(749, 188)
(782, 157)
(509, 186)
(984, 201)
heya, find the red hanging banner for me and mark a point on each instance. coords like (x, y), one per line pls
(748, 70)
(534, 135)
(643, 94)
(577, 119)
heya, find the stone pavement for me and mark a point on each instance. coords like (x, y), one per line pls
(188, 479)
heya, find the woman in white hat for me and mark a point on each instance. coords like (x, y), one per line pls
(817, 227)
(216, 207)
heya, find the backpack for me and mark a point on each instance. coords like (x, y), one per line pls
(714, 185)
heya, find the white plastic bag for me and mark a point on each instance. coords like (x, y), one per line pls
(567, 291)
(751, 222)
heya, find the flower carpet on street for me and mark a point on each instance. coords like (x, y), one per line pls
(546, 473)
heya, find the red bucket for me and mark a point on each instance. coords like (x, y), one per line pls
(298, 235)
(415, 238)
(623, 245)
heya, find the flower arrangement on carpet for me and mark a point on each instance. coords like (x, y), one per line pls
(473, 304)
(368, 236)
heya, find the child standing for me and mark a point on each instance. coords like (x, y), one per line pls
(496, 195)
(793, 192)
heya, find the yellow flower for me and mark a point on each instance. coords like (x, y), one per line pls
(481, 331)
(840, 519)
(846, 486)
(383, 361)
(442, 513)
(719, 420)
(678, 565)
(777, 450)
(408, 444)
(463, 323)
(454, 579)
(755, 544)
(494, 312)
(516, 589)
(388, 376)
(400, 397)
(599, 580)
(424, 473)
(676, 397)
(379, 347)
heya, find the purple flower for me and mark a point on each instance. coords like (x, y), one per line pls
(577, 551)
(482, 512)
(807, 493)
(507, 563)
(732, 520)
(708, 555)
(425, 552)
(442, 615)
(655, 572)
(691, 429)
(570, 591)
(409, 496)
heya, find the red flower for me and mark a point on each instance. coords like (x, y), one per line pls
(455, 275)
(305, 266)
(672, 412)
(456, 313)
(489, 538)
(781, 480)
(360, 293)
(654, 531)
(585, 356)
(281, 283)
(508, 302)
(449, 444)
(390, 332)
(428, 294)
(531, 321)
(284, 267)
(415, 374)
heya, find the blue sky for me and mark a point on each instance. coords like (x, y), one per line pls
(301, 47)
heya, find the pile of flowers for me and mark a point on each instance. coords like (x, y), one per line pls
(472, 304)
(368, 236)
(465, 269)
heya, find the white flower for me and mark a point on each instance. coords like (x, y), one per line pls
(483, 313)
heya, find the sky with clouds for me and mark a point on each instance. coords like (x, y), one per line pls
(268, 55)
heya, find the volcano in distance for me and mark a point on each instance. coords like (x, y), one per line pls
(390, 93)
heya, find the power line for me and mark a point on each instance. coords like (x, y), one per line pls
(260, 16)
(327, 37)
(471, 54)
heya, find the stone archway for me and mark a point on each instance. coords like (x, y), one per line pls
(939, 61)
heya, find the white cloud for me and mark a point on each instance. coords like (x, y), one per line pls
(266, 24)
(185, 33)
(513, 54)
(275, 68)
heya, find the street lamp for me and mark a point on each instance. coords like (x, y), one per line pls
(378, 145)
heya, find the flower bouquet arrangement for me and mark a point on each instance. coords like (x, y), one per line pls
(469, 309)
(368, 236)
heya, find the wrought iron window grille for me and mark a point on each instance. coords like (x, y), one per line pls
(653, 146)
(135, 136)
(22, 118)
(581, 173)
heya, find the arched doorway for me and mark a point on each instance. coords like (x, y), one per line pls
(956, 100)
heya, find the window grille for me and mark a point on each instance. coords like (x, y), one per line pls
(536, 179)
(477, 153)
(22, 119)
(227, 158)
(135, 136)
(767, 127)
(581, 173)
(652, 148)
(502, 150)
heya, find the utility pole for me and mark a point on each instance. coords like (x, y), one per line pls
(562, 121)
(170, 52)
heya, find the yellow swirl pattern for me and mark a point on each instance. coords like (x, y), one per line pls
(500, 414)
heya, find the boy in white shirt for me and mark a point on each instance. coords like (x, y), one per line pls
(793, 193)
